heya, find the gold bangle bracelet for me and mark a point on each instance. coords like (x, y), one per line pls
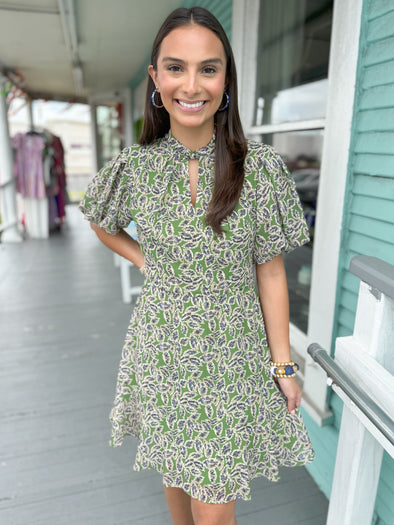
(290, 363)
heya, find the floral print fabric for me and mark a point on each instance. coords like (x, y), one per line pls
(194, 382)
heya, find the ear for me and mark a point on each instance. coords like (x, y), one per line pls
(152, 74)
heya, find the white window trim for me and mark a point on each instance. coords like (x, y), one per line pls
(124, 96)
(244, 42)
(342, 80)
(284, 127)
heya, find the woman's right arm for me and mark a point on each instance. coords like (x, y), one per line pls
(122, 244)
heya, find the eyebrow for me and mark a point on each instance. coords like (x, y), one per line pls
(208, 61)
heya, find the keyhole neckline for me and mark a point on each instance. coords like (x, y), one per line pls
(181, 152)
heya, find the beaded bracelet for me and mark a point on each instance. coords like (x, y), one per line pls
(279, 370)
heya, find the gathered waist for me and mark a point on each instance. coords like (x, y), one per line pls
(208, 285)
(199, 292)
(184, 273)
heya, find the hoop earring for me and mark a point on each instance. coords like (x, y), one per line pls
(227, 102)
(153, 99)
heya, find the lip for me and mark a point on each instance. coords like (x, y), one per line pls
(195, 109)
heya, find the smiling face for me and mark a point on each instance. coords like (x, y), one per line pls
(191, 79)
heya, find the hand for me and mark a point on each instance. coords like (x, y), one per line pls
(292, 391)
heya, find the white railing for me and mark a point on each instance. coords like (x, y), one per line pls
(362, 376)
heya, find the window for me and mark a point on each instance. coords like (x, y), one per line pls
(290, 109)
(292, 60)
(109, 137)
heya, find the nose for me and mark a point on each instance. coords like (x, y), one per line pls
(191, 86)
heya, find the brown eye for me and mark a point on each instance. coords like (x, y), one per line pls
(174, 67)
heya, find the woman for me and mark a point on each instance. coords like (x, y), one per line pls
(196, 384)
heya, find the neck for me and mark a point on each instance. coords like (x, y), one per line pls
(193, 139)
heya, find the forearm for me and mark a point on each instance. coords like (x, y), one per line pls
(274, 300)
(122, 244)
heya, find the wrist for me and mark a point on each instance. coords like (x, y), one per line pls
(281, 357)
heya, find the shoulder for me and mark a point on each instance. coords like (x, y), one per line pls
(262, 163)
(128, 163)
(136, 151)
(263, 156)
(138, 155)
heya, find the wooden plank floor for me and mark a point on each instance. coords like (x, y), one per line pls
(62, 325)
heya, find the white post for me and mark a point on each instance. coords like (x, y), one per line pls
(93, 133)
(366, 357)
(8, 204)
(128, 117)
(356, 476)
(30, 113)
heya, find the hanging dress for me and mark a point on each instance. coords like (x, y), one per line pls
(194, 383)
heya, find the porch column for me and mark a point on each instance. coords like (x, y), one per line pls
(128, 117)
(30, 113)
(8, 204)
(93, 133)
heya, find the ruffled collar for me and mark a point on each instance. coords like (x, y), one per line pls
(181, 152)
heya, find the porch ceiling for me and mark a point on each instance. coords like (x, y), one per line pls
(112, 40)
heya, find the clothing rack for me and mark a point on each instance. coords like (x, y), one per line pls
(40, 180)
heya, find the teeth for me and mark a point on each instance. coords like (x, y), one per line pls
(195, 105)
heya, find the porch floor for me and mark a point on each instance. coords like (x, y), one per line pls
(62, 326)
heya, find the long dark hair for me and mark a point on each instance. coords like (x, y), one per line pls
(231, 147)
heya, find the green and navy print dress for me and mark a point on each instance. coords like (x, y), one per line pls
(194, 381)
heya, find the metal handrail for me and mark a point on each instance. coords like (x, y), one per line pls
(375, 272)
(368, 407)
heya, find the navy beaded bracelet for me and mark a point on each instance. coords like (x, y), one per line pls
(279, 370)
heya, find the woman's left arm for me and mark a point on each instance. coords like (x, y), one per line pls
(274, 300)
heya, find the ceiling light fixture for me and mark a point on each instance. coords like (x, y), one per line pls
(78, 77)
(67, 15)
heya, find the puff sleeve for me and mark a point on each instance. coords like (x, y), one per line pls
(280, 222)
(107, 201)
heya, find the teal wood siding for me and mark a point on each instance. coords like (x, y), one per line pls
(368, 226)
(222, 9)
(368, 222)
